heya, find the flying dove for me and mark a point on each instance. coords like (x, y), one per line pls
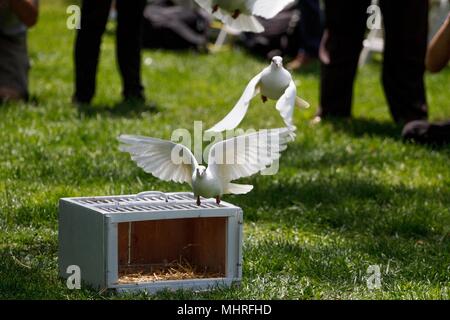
(240, 14)
(274, 83)
(228, 160)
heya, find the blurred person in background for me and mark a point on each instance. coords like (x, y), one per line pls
(16, 16)
(437, 58)
(405, 44)
(94, 16)
(310, 30)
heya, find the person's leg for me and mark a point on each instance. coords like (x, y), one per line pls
(340, 48)
(311, 26)
(14, 67)
(94, 16)
(310, 31)
(129, 31)
(406, 31)
(10, 94)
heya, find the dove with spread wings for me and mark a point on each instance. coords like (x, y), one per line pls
(274, 83)
(240, 14)
(228, 160)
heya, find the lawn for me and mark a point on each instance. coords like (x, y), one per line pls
(348, 195)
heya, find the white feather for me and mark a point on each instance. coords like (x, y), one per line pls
(274, 83)
(155, 157)
(269, 8)
(234, 188)
(205, 4)
(235, 116)
(285, 105)
(243, 156)
(247, 154)
(243, 23)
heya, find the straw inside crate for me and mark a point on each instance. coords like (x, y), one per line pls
(179, 270)
(173, 249)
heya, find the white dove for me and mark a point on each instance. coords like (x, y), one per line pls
(228, 160)
(240, 14)
(275, 83)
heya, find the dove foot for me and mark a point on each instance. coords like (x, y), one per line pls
(215, 8)
(236, 14)
(198, 200)
(218, 199)
(264, 99)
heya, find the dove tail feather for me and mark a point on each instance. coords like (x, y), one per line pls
(235, 188)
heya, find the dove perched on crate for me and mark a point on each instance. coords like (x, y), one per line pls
(228, 160)
(240, 14)
(274, 83)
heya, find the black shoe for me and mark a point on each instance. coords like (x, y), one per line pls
(421, 131)
(80, 102)
(134, 99)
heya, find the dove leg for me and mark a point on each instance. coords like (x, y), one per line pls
(236, 14)
(218, 199)
(215, 8)
(264, 99)
(198, 200)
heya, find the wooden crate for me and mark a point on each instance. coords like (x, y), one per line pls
(151, 242)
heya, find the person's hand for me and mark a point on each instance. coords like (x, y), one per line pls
(438, 54)
(25, 10)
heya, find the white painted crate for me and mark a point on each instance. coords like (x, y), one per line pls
(106, 235)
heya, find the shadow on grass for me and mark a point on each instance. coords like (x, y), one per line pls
(360, 127)
(363, 127)
(31, 273)
(349, 205)
(133, 109)
(22, 281)
(329, 262)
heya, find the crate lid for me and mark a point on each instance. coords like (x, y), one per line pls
(153, 201)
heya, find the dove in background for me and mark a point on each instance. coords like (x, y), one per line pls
(240, 14)
(228, 160)
(274, 83)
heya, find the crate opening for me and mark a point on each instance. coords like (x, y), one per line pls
(174, 249)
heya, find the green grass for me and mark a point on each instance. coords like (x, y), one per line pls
(348, 195)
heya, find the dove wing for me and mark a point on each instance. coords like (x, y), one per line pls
(164, 159)
(269, 8)
(285, 105)
(205, 4)
(243, 23)
(235, 116)
(245, 155)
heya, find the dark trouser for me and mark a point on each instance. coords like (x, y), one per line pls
(406, 28)
(14, 64)
(94, 16)
(310, 26)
